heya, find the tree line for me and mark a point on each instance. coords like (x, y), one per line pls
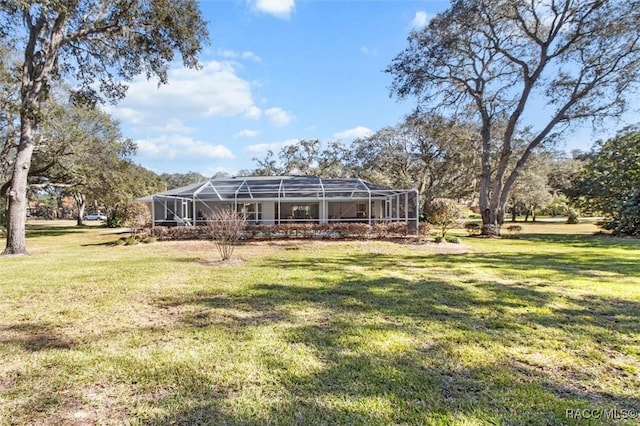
(496, 82)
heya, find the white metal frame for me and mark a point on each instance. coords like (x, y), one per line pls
(397, 202)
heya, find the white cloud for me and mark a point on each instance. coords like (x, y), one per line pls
(246, 133)
(355, 133)
(175, 147)
(420, 20)
(262, 148)
(278, 8)
(172, 126)
(278, 117)
(368, 52)
(253, 113)
(232, 54)
(213, 91)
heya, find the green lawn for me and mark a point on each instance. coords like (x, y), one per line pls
(512, 331)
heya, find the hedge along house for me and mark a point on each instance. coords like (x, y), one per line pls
(285, 199)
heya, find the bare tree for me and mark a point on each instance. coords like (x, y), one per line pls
(538, 64)
(225, 228)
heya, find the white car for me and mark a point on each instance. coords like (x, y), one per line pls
(95, 216)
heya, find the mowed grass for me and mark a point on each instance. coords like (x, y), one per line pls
(506, 331)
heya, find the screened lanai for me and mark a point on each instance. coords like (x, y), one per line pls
(282, 199)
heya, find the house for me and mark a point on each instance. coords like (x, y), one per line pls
(282, 199)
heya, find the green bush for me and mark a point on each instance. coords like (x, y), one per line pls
(627, 219)
(453, 239)
(439, 239)
(473, 228)
(116, 220)
(572, 217)
(444, 213)
(150, 240)
(131, 241)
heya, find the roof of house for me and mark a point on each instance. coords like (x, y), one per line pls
(277, 187)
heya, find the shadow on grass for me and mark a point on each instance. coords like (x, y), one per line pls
(585, 241)
(442, 346)
(429, 377)
(34, 231)
(34, 337)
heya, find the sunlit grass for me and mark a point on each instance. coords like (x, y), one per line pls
(510, 331)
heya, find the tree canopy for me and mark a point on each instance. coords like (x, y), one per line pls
(517, 66)
(609, 182)
(177, 180)
(97, 44)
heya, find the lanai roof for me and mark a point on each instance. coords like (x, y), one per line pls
(277, 187)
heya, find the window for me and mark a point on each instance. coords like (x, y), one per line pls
(250, 211)
(302, 211)
(361, 210)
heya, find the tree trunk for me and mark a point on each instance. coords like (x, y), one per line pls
(39, 60)
(81, 203)
(17, 194)
(488, 207)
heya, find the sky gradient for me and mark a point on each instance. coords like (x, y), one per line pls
(278, 71)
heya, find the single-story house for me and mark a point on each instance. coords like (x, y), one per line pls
(282, 199)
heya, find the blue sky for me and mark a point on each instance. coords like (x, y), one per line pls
(276, 71)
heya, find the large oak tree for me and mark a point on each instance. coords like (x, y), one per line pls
(98, 45)
(535, 65)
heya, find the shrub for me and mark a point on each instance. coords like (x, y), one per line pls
(424, 229)
(472, 228)
(116, 219)
(439, 239)
(131, 241)
(359, 230)
(400, 229)
(136, 216)
(150, 240)
(225, 228)
(444, 213)
(380, 230)
(557, 207)
(572, 217)
(323, 230)
(453, 239)
(627, 219)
